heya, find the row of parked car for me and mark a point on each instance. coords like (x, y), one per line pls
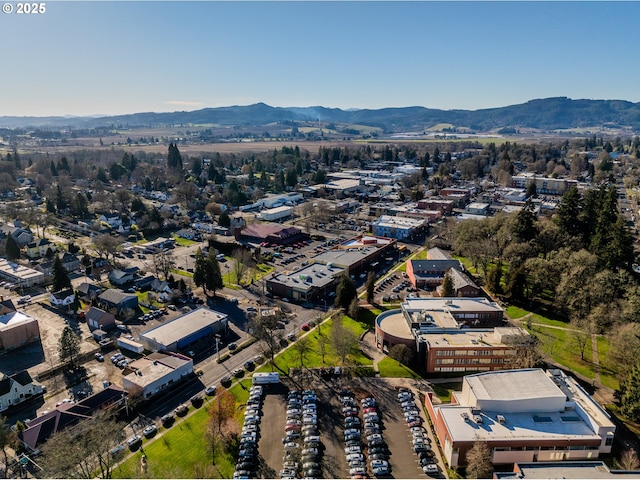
(302, 445)
(420, 440)
(369, 431)
(247, 462)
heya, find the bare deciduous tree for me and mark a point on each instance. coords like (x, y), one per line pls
(479, 461)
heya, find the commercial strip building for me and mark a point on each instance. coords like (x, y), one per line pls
(309, 284)
(317, 282)
(155, 373)
(20, 275)
(526, 415)
(452, 334)
(184, 330)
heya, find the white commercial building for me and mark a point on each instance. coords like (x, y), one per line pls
(151, 375)
(526, 415)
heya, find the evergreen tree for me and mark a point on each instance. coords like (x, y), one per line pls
(12, 250)
(102, 175)
(68, 346)
(345, 292)
(370, 287)
(224, 220)
(494, 275)
(630, 394)
(174, 158)
(569, 214)
(61, 278)
(447, 285)
(525, 228)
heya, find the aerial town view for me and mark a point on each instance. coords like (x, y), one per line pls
(319, 240)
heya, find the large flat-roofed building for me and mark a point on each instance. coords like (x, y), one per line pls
(526, 415)
(308, 284)
(184, 330)
(16, 328)
(400, 228)
(19, 274)
(579, 470)
(438, 330)
(155, 373)
(358, 255)
(544, 185)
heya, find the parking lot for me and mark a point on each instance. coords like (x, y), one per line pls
(396, 437)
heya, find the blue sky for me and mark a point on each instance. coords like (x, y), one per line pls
(83, 57)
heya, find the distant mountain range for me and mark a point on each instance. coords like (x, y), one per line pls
(542, 114)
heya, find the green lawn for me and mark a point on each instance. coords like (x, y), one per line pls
(560, 346)
(184, 273)
(183, 242)
(444, 390)
(290, 358)
(516, 312)
(389, 367)
(181, 452)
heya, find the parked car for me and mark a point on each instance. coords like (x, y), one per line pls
(150, 431)
(181, 410)
(99, 357)
(211, 390)
(233, 346)
(133, 441)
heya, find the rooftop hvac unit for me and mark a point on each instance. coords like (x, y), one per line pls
(477, 418)
(465, 416)
(501, 419)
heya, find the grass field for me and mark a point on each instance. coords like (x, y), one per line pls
(389, 367)
(181, 452)
(444, 390)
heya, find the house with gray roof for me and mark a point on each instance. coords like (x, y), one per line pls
(121, 304)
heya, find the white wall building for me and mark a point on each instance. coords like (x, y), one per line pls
(526, 415)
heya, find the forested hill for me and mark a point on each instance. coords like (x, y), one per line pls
(544, 114)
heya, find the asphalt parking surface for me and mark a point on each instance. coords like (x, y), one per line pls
(403, 460)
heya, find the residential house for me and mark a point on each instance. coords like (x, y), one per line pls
(123, 305)
(62, 298)
(22, 236)
(39, 248)
(70, 262)
(17, 388)
(114, 220)
(122, 277)
(88, 291)
(99, 319)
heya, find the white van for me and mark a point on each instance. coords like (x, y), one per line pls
(263, 378)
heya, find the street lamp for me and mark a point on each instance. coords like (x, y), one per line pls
(218, 346)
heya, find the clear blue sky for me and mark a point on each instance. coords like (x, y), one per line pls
(116, 57)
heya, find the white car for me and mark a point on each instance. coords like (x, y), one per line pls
(354, 456)
(431, 469)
